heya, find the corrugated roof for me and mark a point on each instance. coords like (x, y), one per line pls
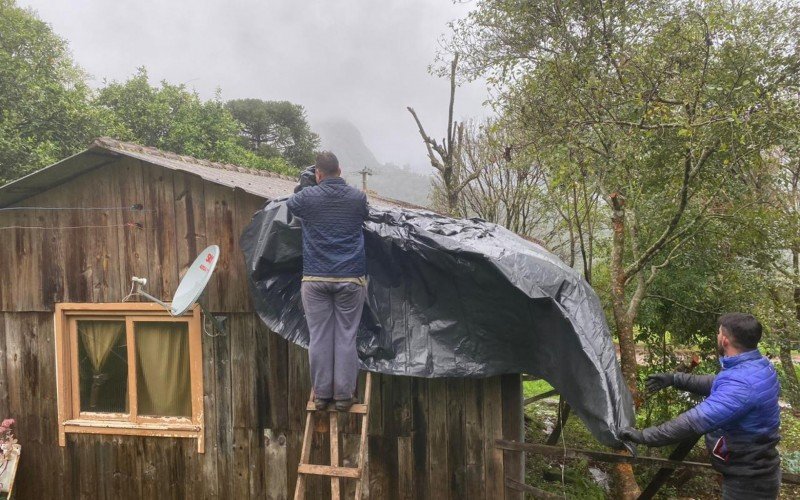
(105, 150)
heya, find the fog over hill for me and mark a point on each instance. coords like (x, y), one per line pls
(387, 179)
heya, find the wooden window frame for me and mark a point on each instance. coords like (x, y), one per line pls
(72, 421)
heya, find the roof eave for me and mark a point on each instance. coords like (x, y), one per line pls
(58, 173)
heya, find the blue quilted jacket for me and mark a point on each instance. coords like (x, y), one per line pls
(332, 215)
(741, 417)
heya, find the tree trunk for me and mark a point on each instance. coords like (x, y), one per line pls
(627, 488)
(622, 319)
(786, 349)
(793, 391)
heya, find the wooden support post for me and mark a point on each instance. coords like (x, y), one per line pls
(563, 415)
(663, 473)
(513, 429)
(305, 454)
(335, 481)
(362, 450)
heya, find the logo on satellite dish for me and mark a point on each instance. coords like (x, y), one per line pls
(192, 284)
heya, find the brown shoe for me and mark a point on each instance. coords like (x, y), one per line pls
(321, 404)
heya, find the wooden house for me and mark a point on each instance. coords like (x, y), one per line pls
(219, 415)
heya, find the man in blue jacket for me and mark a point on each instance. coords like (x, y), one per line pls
(334, 278)
(740, 416)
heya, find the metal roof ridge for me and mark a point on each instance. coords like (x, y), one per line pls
(123, 147)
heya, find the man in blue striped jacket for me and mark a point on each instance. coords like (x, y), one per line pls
(740, 416)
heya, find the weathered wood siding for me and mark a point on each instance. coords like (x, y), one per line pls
(428, 438)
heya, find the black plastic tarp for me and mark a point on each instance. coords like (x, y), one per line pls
(456, 298)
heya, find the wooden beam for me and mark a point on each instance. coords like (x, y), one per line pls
(664, 473)
(539, 397)
(601, 456)
(329, 470)
(331, 408)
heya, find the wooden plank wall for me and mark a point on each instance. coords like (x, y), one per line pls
(428, 438)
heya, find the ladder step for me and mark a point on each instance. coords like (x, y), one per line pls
(356, 408)
(327, 470)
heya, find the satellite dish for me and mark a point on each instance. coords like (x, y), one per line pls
(195, 280)
(192, 284)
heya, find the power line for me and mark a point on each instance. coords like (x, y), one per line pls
(134, 225)
(137, 207)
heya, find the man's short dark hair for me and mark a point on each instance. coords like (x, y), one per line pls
(742, 329)
(327, 164)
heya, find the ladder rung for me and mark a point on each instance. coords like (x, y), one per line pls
(327, 470)
(356, 408)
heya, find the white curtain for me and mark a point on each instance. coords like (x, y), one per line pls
(98, 339)
(163, 382)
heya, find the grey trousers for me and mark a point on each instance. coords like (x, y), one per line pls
(333, 311)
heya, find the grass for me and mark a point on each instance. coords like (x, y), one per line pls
(544, 472)
(533, 387)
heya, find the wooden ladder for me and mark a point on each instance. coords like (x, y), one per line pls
(335, 470)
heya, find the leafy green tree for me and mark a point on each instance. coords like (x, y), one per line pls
(172, 118)
(665, 108)
(45, 114)
(275, 128)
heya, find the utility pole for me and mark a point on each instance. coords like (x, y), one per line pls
(364, 173)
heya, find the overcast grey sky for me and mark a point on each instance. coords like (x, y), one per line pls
(363, 60)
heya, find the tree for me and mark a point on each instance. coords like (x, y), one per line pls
(444, 157)
(508, 188)
(671, 101)
(782, 267)
(275, 128)
(671, 104)
(172, 118)
(45, 114)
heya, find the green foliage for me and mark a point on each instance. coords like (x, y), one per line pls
(681, 117)
(172, 118)
(45, 114)
(275, 128)
(790, 462)
(48, 112)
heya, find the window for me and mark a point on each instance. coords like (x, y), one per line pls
(129, 368)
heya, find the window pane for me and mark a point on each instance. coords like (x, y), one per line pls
(162, 361)
(102, 366)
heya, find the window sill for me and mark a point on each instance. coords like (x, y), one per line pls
(120, 428)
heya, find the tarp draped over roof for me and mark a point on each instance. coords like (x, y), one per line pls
(446, 297)
(456, 298)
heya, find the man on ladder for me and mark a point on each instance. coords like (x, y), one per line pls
(334, 279)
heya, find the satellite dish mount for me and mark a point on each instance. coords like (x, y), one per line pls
(189, 289)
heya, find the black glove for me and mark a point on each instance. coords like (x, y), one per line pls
(308, 177)
(632, 435)
(658, 381)
(670, 432)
